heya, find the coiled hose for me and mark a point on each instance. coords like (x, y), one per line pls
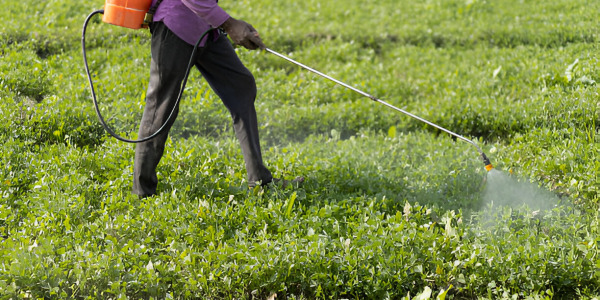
(87, 70)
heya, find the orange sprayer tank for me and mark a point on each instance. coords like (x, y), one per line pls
(126, 13)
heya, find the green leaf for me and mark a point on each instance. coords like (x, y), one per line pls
(424, 295)
(290, 204)
(392, 132)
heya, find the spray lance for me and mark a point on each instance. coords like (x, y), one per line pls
(133, 14)
(486, 161)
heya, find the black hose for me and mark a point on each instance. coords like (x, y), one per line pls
(87, 70)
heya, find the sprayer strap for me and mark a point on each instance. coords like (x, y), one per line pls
(154, 7)
(149, 18)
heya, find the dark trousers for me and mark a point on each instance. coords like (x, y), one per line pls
(227, 76)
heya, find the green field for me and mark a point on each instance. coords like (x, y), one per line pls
(391, 209)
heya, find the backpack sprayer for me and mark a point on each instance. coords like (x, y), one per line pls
(136, 14)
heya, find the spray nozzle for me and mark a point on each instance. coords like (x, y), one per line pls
(486, 162)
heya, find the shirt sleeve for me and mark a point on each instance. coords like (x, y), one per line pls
(208, 10)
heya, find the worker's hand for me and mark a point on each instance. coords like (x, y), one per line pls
(243, 34)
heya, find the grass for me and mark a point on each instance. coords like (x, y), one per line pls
(392, 208)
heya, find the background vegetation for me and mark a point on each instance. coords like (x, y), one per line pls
(391, 209)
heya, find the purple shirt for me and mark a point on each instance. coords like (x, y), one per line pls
(189, 19)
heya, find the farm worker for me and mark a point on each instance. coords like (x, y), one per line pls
(176, 28)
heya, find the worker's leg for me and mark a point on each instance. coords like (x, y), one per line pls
(170, 57)
(235, 85)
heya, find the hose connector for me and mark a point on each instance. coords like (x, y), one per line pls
(486, 162)
(148, 18)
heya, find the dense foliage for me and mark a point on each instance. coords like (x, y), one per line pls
(391, 209)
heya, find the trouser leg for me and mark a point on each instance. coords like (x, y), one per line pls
(170, 57)
(235, 85)
(230, 80)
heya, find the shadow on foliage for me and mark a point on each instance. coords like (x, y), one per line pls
(45, 125)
